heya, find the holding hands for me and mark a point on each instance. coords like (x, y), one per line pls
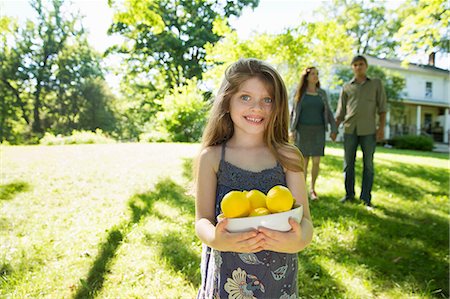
(333, 136)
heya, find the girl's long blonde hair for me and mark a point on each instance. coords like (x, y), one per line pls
(219, 127)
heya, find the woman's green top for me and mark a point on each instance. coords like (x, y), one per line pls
(311, 110)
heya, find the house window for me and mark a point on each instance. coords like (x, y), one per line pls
(429, 90)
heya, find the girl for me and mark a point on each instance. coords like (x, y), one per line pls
(245, 146)
(309, 121)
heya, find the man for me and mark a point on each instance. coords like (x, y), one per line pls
(359, 102)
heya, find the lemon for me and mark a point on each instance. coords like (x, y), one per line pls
(235, 204)
(259, 212)
(279, 199)
(257, 199)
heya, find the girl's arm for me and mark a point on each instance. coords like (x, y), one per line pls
(216, 236)
(300, 236)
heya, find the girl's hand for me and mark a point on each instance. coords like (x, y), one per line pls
(248, 242)
(288, 242)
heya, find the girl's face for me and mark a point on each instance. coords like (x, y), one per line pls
(251, 106)
(313, 76)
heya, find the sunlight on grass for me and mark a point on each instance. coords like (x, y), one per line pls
(355, 277)
(117, 221)
(171, 213)
(335, 234)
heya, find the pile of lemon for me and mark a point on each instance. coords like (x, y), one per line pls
(237, 204)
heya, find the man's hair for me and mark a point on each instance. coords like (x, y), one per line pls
(359, 58)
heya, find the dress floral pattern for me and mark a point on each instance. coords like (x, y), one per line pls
(264, 274)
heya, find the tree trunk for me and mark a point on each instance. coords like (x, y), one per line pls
(19, 101)
(37, 127)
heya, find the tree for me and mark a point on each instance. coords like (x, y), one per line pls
(45, 41)
(321, 44)
(99, 110)
(368, 22)
(44, 71)
(168, 37)
(13, 107)
(76, 70)
(424, 27)
(184, 113)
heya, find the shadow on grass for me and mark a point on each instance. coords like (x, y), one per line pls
(177, 254)
(314, 281)
(8, 191)
(188, 170)
(397, 250)
(400, 152)
(392, 177)
(172, 246)
(101, 265)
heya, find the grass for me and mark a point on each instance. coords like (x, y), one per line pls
(116, 221)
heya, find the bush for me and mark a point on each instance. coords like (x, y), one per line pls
(413, 142)
(184, 113)
(154, 136)
(77, 137)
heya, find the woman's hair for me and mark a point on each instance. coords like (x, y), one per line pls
(219, 127)
(301, 89)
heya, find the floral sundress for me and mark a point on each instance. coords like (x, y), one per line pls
(264, 274)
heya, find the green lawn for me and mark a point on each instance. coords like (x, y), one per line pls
(116, 221)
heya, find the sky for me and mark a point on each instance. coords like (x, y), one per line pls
(271, 16)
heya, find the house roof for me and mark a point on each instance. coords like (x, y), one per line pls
(443, 104)
(397, 64)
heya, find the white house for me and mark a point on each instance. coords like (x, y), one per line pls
(426, 100)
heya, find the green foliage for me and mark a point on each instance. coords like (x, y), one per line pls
(229, 49)
(424, 26)
(14, 116)
(47, 76)
(321, 44)
(369, 23)
(184, 113)
(99, 107)
(413, 142)
(77, 137)
(169, 37)
(156, 134)
(138, 104)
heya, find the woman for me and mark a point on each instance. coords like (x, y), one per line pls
(310, 118)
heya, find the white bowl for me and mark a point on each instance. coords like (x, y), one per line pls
(277, 221)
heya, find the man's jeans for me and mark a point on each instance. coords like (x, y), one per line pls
(368, 144)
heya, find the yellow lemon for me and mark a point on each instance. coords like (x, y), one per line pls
(259, 212)
(279, 199)
(234, 204)
(257, 199)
